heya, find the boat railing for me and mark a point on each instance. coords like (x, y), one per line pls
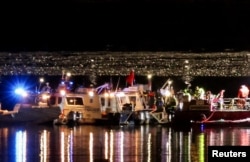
(233, 104)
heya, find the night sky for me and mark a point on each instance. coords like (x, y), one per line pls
(149, 25)
(128, 25)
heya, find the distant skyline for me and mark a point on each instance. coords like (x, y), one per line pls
(84, 25)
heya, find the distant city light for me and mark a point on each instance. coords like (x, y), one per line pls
(189, 64)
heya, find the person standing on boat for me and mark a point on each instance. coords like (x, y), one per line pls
(199, 93)
(45, 94)
(243, 95)
(209, 96)
(180, 99)
(187, 95)
(220, 98)
(46, 88)
(130, 78)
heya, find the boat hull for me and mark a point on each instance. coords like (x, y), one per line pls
(220, 117)
(30, 115)
(121, 118)
(222, 123)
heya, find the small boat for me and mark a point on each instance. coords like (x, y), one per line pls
(30, 113)
(197, 112)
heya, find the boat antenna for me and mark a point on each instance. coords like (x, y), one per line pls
(117, 84)
(111, 83)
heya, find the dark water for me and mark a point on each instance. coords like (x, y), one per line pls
(114, 143)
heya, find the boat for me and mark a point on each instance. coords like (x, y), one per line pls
(202, 112)
(30, 112)
(134, 104)
(87, 106)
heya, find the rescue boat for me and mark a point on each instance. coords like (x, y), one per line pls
(230, 113)
(87, 106)
(134, 104)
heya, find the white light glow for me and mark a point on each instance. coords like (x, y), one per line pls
(91, 93)
(43, 146)
(21, 146)
(91, 145)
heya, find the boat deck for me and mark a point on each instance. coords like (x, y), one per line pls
(232, 111)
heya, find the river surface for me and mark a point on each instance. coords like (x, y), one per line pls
(29, 143)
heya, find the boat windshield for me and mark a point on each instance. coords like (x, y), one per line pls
(74, 101)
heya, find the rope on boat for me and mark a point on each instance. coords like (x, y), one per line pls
(205, 120)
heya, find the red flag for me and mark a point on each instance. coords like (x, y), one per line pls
(130, 78)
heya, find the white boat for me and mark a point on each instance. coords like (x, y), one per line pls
(86, 106)
(127, 106)
(134, 104)
(30, 113)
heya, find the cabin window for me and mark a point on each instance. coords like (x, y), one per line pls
(52, 100)
(122, 100)
(74, 101)
(59, 100)
(109, 101)
(132, 99)
(103, 101)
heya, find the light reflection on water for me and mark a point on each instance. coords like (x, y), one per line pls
(114, 144)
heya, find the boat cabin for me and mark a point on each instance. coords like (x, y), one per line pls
(112, 102)
(85, 102)
(136, 97)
